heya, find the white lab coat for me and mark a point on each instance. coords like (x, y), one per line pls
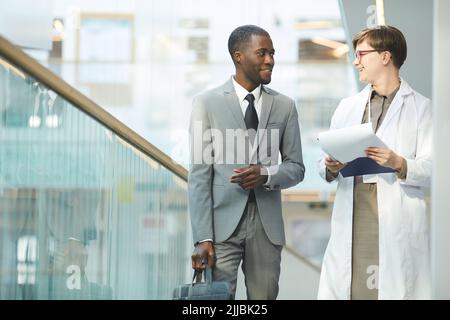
(404, 264)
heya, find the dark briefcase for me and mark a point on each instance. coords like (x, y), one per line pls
(206, 290)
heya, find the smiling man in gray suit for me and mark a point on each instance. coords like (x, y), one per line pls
(237, 132)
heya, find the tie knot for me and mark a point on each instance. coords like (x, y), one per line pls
(250, 98)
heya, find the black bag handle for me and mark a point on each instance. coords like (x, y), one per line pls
(207, 276)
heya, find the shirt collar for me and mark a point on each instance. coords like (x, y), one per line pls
(392, 95)
(241, 92)
(389, 98)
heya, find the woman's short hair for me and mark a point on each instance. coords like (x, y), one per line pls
(384, 38)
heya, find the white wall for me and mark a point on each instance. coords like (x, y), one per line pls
(27, 23)
(415, 19)
(440, 218)
(163, 17)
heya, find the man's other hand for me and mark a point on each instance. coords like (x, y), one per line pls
(250, 177)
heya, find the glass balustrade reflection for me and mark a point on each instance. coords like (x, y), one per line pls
(83, 214)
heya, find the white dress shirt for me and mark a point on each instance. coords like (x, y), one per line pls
(241, 92)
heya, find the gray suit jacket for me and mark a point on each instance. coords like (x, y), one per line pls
(216, 205)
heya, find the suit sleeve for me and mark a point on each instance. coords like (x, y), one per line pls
(292, 170)
(200, 173)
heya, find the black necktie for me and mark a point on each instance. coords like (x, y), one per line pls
(251, 121)
(251, 117)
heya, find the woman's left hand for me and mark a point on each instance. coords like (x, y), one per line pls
(385, 157)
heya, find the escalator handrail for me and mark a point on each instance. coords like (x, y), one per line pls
(19, 59)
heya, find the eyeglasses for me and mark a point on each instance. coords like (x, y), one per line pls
(360, 53)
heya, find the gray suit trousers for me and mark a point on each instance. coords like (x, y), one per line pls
(260, 257)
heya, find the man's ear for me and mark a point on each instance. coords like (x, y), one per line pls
(237, 56)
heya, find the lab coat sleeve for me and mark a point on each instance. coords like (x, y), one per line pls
(334, 125)
(420, 168)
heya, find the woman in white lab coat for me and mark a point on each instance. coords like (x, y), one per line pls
(379, 243)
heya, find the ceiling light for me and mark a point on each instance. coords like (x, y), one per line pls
(380, 13)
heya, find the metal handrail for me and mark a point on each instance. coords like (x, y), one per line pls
(19, 59)
(304, 259)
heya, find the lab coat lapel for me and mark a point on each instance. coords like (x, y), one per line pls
(355, 117)
(395, 107)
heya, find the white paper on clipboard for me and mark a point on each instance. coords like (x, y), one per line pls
(347, 144)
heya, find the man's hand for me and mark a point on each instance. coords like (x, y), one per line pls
(250, 177)
(202, 250)
(385, 157)
(332, 165)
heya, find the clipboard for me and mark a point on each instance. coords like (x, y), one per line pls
(362, 166)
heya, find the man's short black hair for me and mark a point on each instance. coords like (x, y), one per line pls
(242, 35)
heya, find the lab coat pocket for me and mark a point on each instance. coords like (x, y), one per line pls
(419, 241)
(415, 218)
(414, 210)
(413, 192)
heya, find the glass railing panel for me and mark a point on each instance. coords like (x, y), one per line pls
(83, 214)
